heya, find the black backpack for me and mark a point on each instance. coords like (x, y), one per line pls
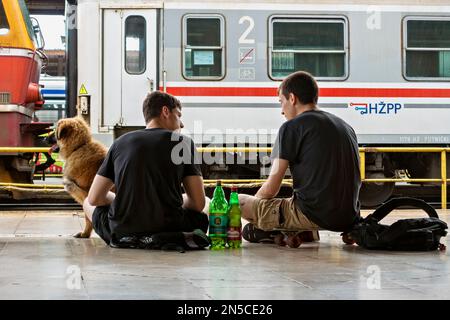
(421, 234)
(179, 241)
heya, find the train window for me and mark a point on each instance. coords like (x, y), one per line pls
(26, 18)
(318, 46)
(427, 50)
(4, 25)
(135, 45)
(203, 43)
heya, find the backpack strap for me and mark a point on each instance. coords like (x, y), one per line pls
(383, 210)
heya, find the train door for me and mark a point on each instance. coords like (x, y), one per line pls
(129, 64)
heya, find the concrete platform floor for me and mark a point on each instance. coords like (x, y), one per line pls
(40, 260)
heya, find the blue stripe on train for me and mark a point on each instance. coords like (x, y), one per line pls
(53, 91)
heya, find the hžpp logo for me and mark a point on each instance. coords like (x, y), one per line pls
(377, 108)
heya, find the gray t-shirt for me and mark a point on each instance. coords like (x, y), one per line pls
(323, 156)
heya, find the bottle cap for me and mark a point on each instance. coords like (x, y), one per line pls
(219, 183)
(233, 189)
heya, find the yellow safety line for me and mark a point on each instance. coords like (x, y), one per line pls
(402, 180)
(23, 150)
(250, 149)
(233, 149)
(31, 185)
(242, 180)
(51, 175)
(403, 149)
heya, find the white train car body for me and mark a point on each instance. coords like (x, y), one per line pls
(385, 68)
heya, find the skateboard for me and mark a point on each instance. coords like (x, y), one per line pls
(294, 238)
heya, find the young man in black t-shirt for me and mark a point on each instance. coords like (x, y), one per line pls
(321, 151)
(146, 168)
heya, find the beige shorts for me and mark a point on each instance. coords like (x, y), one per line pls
(267, 212)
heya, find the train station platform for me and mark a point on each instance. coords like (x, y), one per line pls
(39, 259)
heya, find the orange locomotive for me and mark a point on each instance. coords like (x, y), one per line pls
(21, 60)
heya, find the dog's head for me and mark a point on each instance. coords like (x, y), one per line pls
(51, 140)
(71, 133)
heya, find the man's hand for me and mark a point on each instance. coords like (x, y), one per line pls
(272, 186)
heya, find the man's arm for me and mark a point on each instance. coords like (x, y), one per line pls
(272, 186)
(195, 192)
(99, 194)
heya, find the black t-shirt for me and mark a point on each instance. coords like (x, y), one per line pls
(323, 156)
(147, 168)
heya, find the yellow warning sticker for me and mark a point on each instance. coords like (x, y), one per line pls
(83, 90)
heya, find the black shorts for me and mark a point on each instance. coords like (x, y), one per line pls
(191, 220)
(100, 222)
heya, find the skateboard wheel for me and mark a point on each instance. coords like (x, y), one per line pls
(294, 241)
(347, 240)
(279, 240)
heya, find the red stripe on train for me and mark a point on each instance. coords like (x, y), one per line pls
(324, 92)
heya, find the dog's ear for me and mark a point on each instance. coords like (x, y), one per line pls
(62, 133)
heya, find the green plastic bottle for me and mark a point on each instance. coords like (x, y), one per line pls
(234, 234)
(218, 218)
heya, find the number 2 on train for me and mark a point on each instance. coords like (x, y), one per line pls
(251, 24)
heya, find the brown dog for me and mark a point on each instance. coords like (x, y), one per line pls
(83, 156)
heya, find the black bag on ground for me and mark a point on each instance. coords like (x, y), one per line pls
(178, 241)
(421, 234)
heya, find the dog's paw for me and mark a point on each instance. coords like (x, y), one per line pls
(81, 235)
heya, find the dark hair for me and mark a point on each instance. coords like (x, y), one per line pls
(155, 101)
(302, 85)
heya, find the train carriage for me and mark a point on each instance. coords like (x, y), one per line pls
(384, 68)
